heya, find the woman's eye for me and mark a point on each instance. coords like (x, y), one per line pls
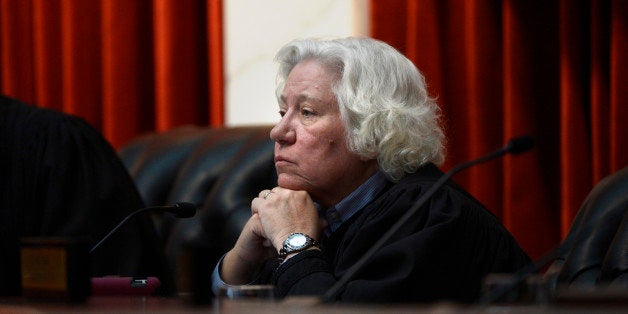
(307, 113)
(282, 113)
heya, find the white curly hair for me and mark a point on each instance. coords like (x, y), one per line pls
(383, 101)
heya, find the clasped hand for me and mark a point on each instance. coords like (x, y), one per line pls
(275, 215)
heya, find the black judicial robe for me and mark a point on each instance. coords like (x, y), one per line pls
(443, 253)
(59, 177)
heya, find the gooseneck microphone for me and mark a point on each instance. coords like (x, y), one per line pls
(516, 145)
(180, 210)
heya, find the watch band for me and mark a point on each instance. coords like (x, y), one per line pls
(287, 248)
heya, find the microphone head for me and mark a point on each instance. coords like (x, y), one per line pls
(183, 210)
(518, 145)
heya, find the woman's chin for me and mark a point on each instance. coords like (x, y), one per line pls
(290, 183)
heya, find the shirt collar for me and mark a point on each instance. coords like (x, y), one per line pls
(354, 202)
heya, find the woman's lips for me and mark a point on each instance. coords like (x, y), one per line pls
(281, 161)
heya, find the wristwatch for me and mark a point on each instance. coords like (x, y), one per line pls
(296, 242)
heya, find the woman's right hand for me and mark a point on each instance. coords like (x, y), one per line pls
(247, 256)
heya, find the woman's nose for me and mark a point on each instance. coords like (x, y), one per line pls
(283, 132)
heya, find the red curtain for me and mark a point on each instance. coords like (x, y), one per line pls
(127, 67)
(556, 70)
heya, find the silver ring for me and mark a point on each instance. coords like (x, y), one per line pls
(267, 193)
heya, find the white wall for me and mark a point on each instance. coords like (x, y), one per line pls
(256, 29)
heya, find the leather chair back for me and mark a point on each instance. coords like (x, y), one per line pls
(595, 248)
(220, 169)
(153, 160)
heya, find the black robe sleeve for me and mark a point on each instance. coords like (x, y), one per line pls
(443, 253)
(61, 178)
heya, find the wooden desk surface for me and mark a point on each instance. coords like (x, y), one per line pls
(138, 304)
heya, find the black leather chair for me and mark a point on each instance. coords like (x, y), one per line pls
(153, 160)
(595, 250)
(225, 168)
(221, 169)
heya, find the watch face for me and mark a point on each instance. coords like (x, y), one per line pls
(297, 240)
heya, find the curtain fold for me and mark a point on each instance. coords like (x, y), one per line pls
(46, 48)
(551, 69)
(574, 100)
(127, 67)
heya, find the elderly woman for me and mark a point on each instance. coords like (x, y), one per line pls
(358, 143)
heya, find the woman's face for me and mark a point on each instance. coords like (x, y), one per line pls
(310, 148)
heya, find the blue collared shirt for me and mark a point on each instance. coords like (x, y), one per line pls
(354, 202)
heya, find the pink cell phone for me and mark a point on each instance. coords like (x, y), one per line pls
(124, 285)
